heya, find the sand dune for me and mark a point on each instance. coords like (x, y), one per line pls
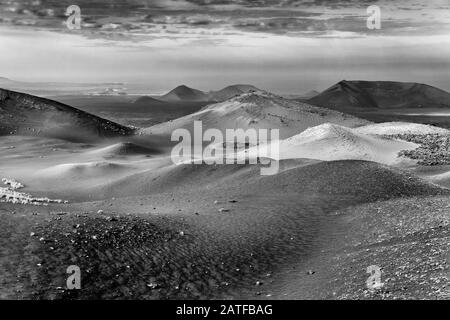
(301, 175)
(395, 128)
(333, 142)
(122, 149)
(80, 171)
(258, 110)
(274, 223)
(24, 114)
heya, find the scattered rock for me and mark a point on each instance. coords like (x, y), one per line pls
(9, 194)
(152, 285)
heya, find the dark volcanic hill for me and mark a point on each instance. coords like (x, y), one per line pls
(381, 95)
(231, 91)
(24, 114)
(184, 93)
(147, 100)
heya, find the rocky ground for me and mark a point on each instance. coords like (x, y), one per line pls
(434, 149)
(10, 194)
(407, 239)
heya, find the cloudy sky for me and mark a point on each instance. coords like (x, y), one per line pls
(286, 46)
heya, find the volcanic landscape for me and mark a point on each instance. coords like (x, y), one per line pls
(88, 180)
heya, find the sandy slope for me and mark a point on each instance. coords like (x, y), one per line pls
(258, 110)
(395, 128)
(333, 142)
(123, 149)
(174, 241)
(406, 238)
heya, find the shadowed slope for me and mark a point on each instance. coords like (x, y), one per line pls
(347, 179)
(25, 114)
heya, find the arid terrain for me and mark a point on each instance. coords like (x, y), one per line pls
(89, 181)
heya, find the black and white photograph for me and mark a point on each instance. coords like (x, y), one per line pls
(224, 150)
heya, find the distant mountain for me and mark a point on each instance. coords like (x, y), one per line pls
(231, 91)
(147, 100)
(184, 93)
(24, 114)
(259, 110)
(381, 95)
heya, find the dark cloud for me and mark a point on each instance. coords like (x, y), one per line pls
(131, 17)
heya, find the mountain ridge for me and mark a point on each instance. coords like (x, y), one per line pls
(359, 94)
(185, 93)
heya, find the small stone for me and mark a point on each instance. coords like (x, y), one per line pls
(152, 285)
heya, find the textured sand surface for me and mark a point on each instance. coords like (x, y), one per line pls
(333, 142)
